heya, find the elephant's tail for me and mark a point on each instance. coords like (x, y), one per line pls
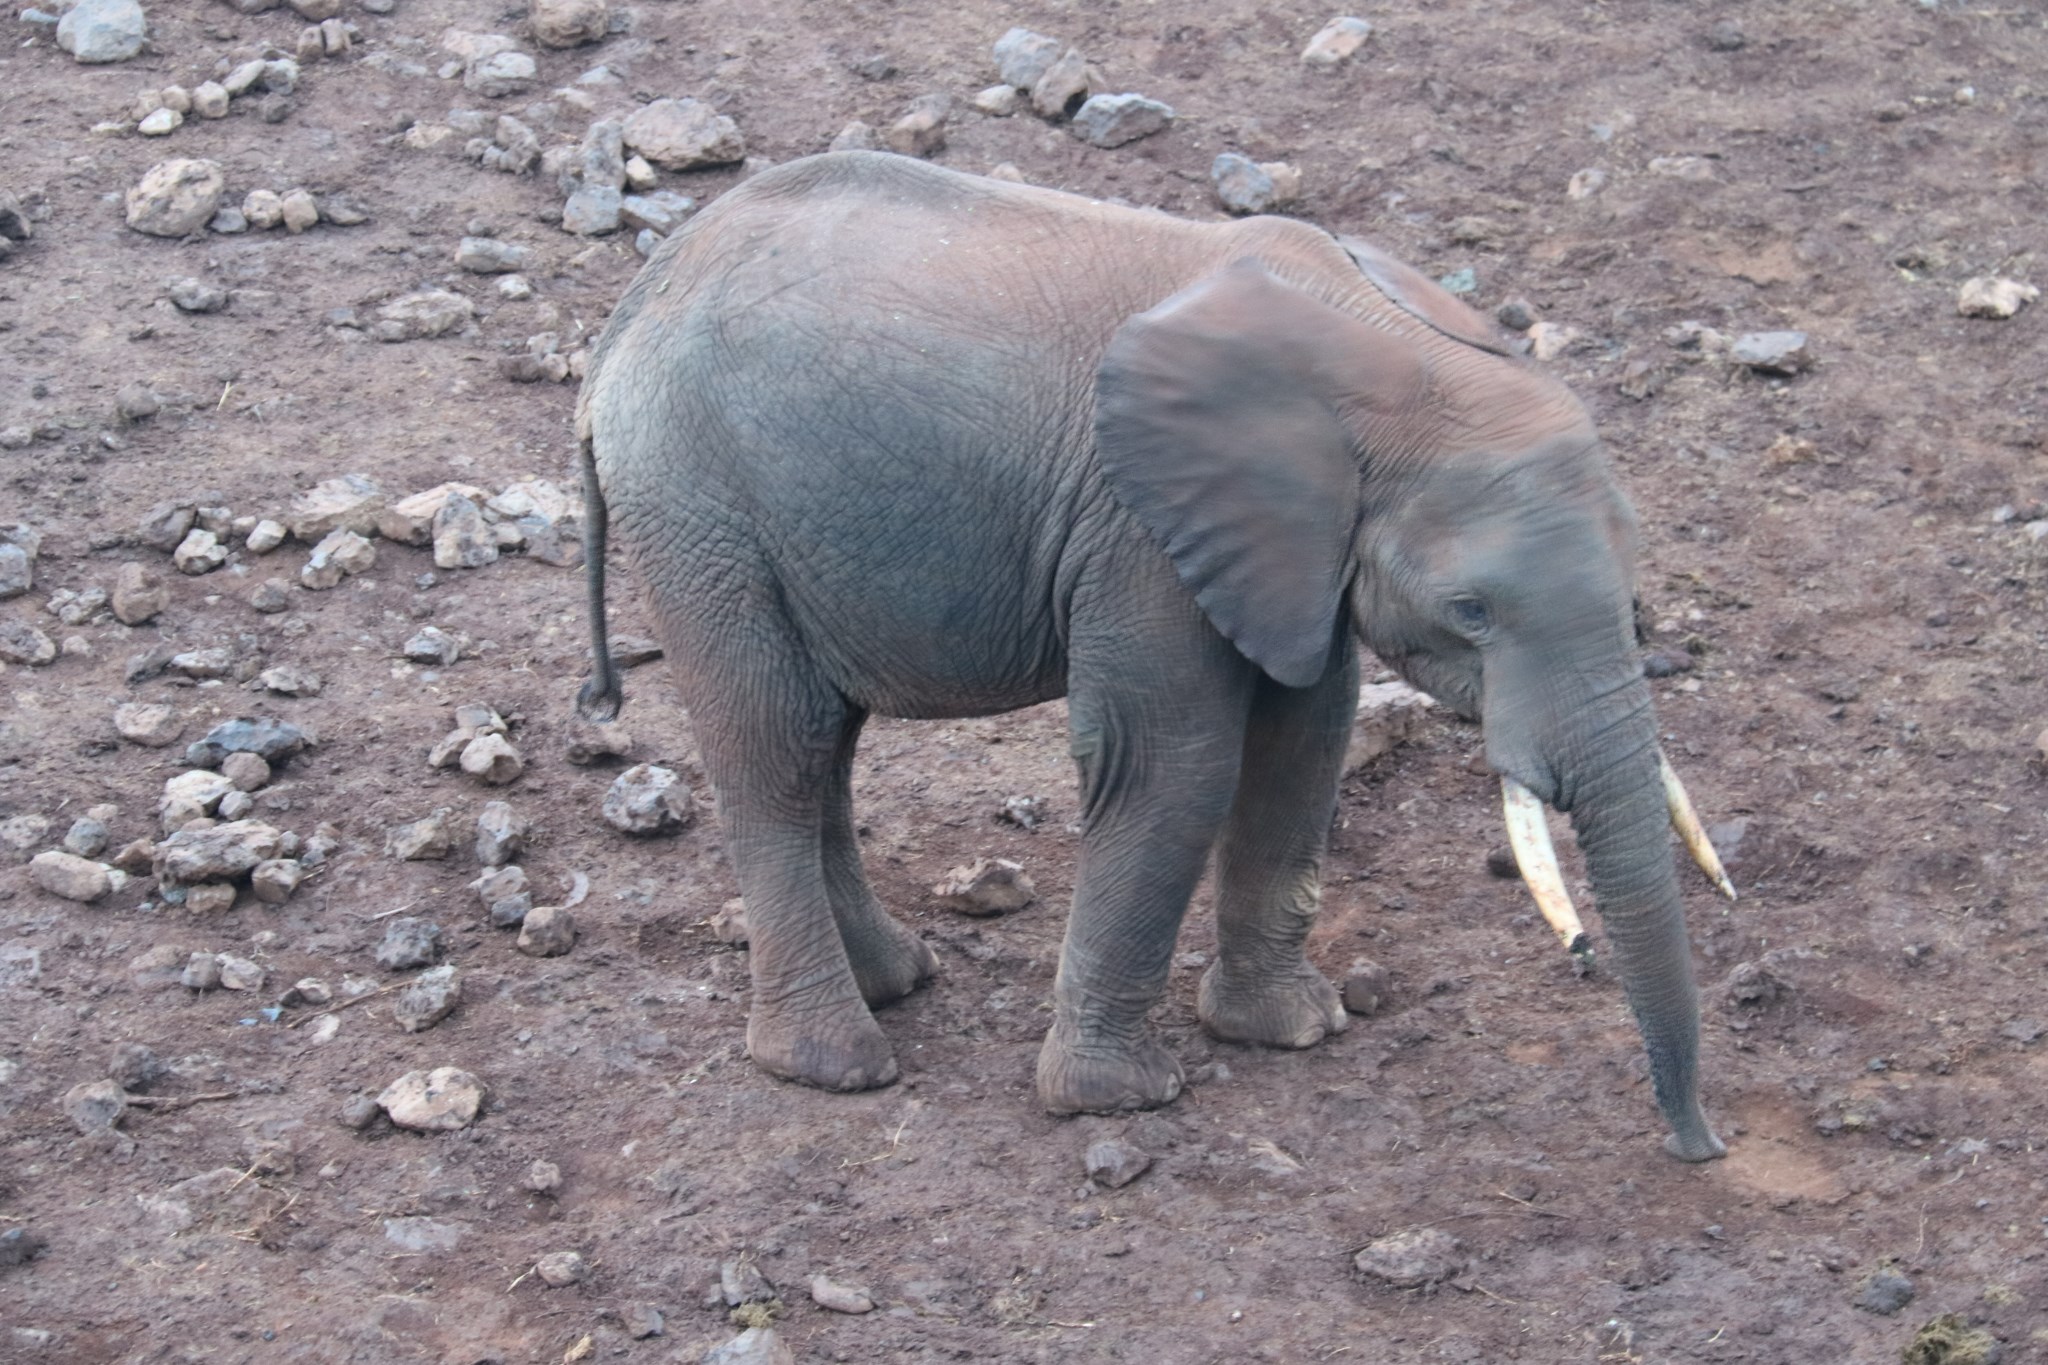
(601, 695)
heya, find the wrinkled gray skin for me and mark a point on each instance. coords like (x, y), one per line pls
(880, 437)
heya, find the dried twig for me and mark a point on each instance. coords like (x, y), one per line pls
(352, 1000)
(383, 914)
(180, 1101)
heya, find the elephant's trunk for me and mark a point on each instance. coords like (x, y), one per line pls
(1616, 797)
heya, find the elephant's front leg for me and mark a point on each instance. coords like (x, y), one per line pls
(1156, 779)
(1262, 989)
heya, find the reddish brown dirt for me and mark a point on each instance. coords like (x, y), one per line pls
(1867, 699)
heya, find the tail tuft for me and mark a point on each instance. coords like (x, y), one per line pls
(600, 696)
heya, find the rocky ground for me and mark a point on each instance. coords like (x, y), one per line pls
(358, 1005)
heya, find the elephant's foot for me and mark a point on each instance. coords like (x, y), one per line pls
(889, 961)
(1693, 1140)
(840, 1049)
(1075, 1077)
(1294, 1009)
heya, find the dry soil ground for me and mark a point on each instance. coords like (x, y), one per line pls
(1868, 626)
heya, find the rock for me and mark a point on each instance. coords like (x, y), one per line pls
(1389, 714)
(21, 833)
(1023, 57)
(271, 596)
(413, 1235)
(410, 521)
(87, 837)
(162, 123)
(1725, 36)
(192, 295)
(568, 23)
(589, 743)
(202, 973)
(424, 313)
(547, 931)
(755, 1346)
(1754, 985)
(2023, 1031)
(998, 101)
(854, 137)
(434, 646)
(640, 176)
(462, 539)
(236, 805)
(500, 834)
(542, 1177)
(740, 1281)
(683, 134)
(246, 768)
(349, 502)
(424, 838)
(1411, 1259)
(641, 1320)
(200, 552)
(1784, 353)
(1063, 86)
(1335, 42)
(489, 256)
(273, 741)
(70, 876)
(919, 133)
(1501, 864)
(438, 1101)
(646, 799)
(1114, 1163)
(728, 923)
(266, 535)
(501, 882)
(22, 643)
(175, 198)
(1986, 296)
(1950, 1340)
(165, 525)
(203, 663)
(188, 857)
(273, 880)
(308, 991)
(661, 211)
(500, 74)
(187, 796)
(95, 31)
(1584, 184)
(1247, 186)
(158, 967)
(560, 1269)
(492, 759)
(1365, 987)
(432, 997)
(297, 209)
(840, 1298)
(409, 943)
(357, 1112)
(1883, 1291)
(1113, 120)
(988, 886)
(132, 1066)
(592, 211)
(17, 571)
(19, 1246)
(238, 973)
(95, 1106)
(1549, 340)
(210, 100)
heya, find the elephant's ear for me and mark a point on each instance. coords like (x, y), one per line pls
(1226, 422)
(1414, 292)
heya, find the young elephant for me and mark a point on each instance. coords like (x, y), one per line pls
(881, 437)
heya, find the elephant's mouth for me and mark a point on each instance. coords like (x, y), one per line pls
(1536, 856)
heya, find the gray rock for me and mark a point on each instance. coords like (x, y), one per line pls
(755, 1346)
(1114, 1163)
(271, 596)
(200, 552)
(489, 256)
(1335, 42)
(1023, 57)
(190, 796)
(22, 643)
(1113, 120)
(592, 211)
(988, 886)
(1754, 985)
(641, 1320)
(921, 132)
(1785, 353)
(416, 1236)
(248, 769)
(438, 1101)
(1365, 987)
(510, 912)
(87, 837)
(728, 923)
(308, 991)
(96, 31)
(175, 198)
(501, 883)
(1389, 714)
(239, 973)
(500, 835)
(462, 539)
(740, 1280)
(599, 161)
(133, 1067)
(998, 101)
(1411, 1258)
(160, 123)
(646, 799)
(273, 880)
(659, 211)
(589, 743)
(568, 23)
(210, 100)
(433, 646)
(17, 571)
(1883, 1291)
(158, 967)
(544, 1177)
(1991, 296)
(500, 74)
(856, 136)
(683, 134)
(645, 243)
(139, 595)
(148, 725)
(841, 1298)
(349, 502)
(1726, 36)
(163, 526)
(1063, 86)
(358, 1111)
(1241, 184)
(69, 876)
(424, 838)
(492, 759)
(192, 295)
(95, 1106)
(432, 997)
(21, 833)
(425, 313)
(560, 1269)
(547, 931)
(202, 973)
(19, 1246)
(273, 741)
(409, 943)
(223, 853)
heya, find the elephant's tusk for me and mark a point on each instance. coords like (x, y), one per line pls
(1686, 821)
(1536, 856)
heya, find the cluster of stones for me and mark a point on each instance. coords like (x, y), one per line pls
(478, 745)
(1059, 83)
(184, 195)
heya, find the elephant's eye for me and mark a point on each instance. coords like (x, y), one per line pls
(1469, 613)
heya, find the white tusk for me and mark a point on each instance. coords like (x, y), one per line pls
(1536, 856)
(1686, 821)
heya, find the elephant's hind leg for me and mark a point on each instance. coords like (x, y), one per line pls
(1262, 989)
(888, 960)
(770, 729)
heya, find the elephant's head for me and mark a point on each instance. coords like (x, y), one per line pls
(1301, 453)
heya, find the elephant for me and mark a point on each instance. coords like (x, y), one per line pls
(880, 437)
